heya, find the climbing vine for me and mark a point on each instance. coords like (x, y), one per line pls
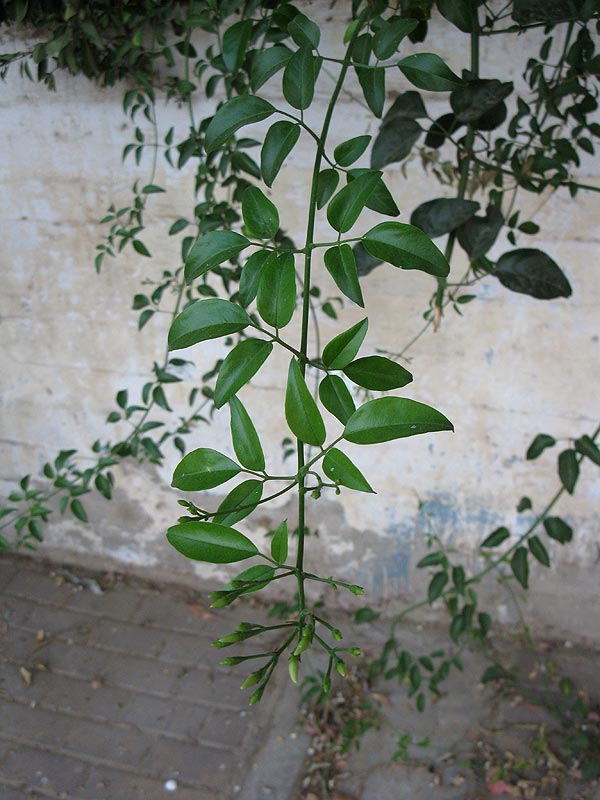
(242, 279)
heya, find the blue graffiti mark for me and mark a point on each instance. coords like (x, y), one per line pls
(489, 356)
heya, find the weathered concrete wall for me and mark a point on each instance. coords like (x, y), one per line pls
(510, 368)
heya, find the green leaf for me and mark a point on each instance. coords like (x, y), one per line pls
(350, 151)
(440, 129)
(279, 142)
(301, 412)
(250, 277)
(365, 262)
(380, 199)
(279, 543)
(235, 44)
(538, 551)
(267, 64)
(258, 576)
(299, 78)
(276, 298)
(461, 13)
(588, 448)
(365, 614)
(240, 366)
(234, 114)
(395, 141)
(539, 444)
(525, 504)
(557, 529)
(342, 348)
(377, 373)
(520, 566)
(245, 439)
(428, 71)
(478, 234)
(459, 579)
(532, 272)
(260, 214)
(568, 469)
(341, 265)
(336, 398)
(478, 97)
(206, 319)
(407, 247)
(141, 248)
(438, 217)
(345, 208)
(202, 469)
(211, 250)
(210, 542)
(338, 467)
(372, 83)
(436, 586)
(304, 31)
(408, 105)
(78, 510)
(432, 560)
(496, 537)
(389, 36)
(393, 418)
(239, 503)
(326, 185)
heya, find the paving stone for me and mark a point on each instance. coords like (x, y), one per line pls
(141, 674)
(37, 725)
(55, 620)
(226, 728)
(8, 569)
(18, 644)
(80, 697)
(185, 649)
(209, 686)
(37, 587)
(15, 610)
(75, 659)
(121, 744)
(44, 770)
(119, 603)
(128, 638)
(151, 713)
(111, 784)
(9, 793)
(12, 685)
(188, 719)
(204, 766)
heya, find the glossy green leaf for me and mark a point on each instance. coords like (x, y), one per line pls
(377, 373)
(459, 579)
(260, 214)
(304, 31)
(279, 543)
(380, 199)
(341, 265)
(532, 272)
(441, 128)
(233, 115)
(393, 418)
(428, 71)
(588, 448)
(408, 105)
(299, 78)
(478, 234)
(372, 83)
(211, 250)
(206, 319)
(336, 398)
(301, 412)
(520, 566)
(461, 13)
(477, 97)
(338, 467)
(345, 208)
(268, 63)
(407, 247)
(326, 185)
(388, 37)
(436, 586)
(78, 510)
(394, 142)
(210, 542)
(279, 142)
(350, 151)
(539, 444)
(365, 262)
(244, 437)
(239, 503)
(342, 348)
(538, 551)
(202, 469)
(568, 469)
(240, 366)
(440, 216)
(235, 44)
(257, 577)
(276, 299)
(250, 277)
(557, 529)
(496, 537)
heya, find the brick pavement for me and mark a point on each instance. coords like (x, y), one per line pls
(126, 694)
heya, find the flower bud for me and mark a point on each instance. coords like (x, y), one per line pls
(293, 666)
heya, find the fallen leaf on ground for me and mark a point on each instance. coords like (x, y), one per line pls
(26, 675)
(500, 787)
(40, 635)
(199, 611)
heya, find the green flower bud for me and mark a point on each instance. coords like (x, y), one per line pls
(341, 668)
(293, 666)
(257, 695)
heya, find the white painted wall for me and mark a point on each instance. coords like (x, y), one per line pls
(510, 368)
